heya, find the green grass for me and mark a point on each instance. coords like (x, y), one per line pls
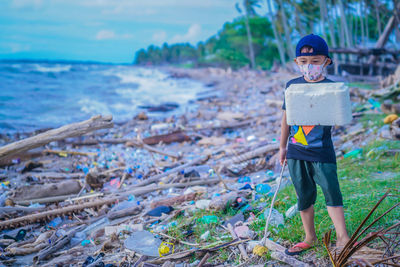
(373, 120)
(363, 181)
(366, 86)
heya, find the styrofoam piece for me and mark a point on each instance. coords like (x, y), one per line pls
(318, 104)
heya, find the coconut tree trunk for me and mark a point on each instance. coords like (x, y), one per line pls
(275, 31)
(366, 22)
(333, 39)
(249, 41)
(299, 27)
(322, 9)
(378, 18)
(345, 26)
(360, 12)
(287, 32)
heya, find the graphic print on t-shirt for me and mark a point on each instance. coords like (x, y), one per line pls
(307, 135)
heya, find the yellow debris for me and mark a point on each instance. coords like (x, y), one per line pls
(390, 118)
(259, 250)
(165, 248)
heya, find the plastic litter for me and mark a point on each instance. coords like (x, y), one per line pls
(55, 222)
(375, 104)
(205, 236)
(18, 237)
(354, 153)
(203, 204)
(158, 211)
(165, 249)
(143, 242)
(85, 242)
(112, 185)
(263, 188)
(390, 118)
(239, 203)
(246, 187)
(276, 218)
(208, 219)
(244, 179)
(125, 204)
(237, 218)
(291, 211)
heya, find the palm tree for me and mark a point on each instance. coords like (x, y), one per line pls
(249, 11)
(288, 38)
(275, 31)
(344, 24)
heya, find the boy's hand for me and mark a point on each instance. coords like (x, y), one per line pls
(282, 155)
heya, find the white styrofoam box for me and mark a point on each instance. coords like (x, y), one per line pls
(318, 104)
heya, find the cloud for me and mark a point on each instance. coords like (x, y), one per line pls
(17, 47)
(191, 35)
(105, 34)
(155, 3)
(108, 34)
(160, 37)
(26, 3)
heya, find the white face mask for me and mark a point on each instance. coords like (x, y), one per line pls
(311, 71)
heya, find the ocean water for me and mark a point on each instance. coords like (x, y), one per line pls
(37, 95)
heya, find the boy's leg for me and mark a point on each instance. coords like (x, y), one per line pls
(306, 195)
(337, 216)
(307, 218)
(326, 177)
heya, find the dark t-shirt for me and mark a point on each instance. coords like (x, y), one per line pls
(313, 142)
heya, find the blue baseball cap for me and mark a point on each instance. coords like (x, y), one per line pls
(318, 44)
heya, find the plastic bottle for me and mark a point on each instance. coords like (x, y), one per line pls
(354, 153)
(263, 188)
(244, 179)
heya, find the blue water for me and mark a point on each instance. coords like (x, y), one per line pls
(38, 95)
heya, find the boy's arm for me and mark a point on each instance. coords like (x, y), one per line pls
(284, 138)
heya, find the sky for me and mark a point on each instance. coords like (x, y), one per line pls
(104, 30)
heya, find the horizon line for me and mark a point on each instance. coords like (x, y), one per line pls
(27, 60)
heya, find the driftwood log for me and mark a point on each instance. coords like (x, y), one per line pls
(46, 200)
(24, 220)
(125, 212)
(171, 171)
(240, 246)
(177, 136)
(47, 190)
(391, 24)
(249, 155)
(55, 175)
(173, 200)
(151, 188)
(28, 219)
(60, 243)
(69, 130)
(220, 202)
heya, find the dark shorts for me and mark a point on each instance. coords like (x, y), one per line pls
(306, 174)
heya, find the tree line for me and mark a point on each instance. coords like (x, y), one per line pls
(266, 31)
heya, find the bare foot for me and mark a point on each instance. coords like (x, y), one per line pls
(342, 242)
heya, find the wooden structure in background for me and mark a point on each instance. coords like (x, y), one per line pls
(376, 61)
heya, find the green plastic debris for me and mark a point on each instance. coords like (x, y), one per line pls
(354, 153)
(208, 219)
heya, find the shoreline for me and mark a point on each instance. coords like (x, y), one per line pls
(230, 136)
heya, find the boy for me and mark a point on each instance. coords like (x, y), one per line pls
(310, 154)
